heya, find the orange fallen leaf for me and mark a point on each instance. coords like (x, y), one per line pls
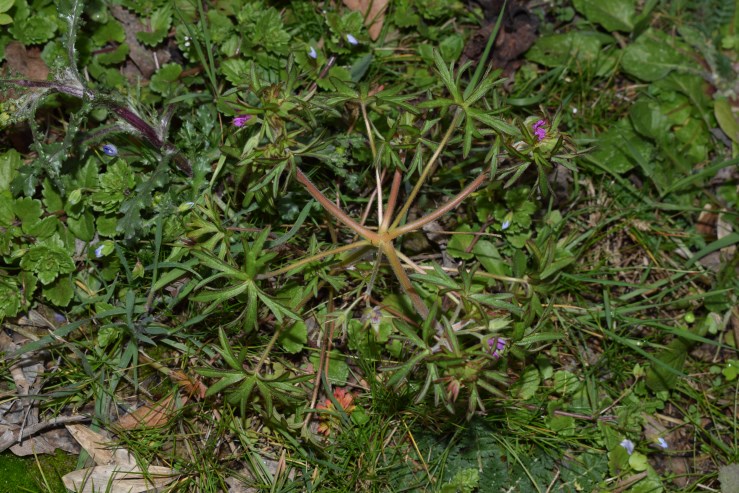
(151, 415)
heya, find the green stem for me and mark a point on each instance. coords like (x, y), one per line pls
(419, 223)
(369, 131)
(429, 166)
(405, 282)
(313, 258)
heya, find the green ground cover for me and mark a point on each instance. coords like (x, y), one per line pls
(422, 245)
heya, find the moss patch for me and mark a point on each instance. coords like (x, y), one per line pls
(21, 474)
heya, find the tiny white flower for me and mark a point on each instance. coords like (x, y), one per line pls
(312, 53)
(352, 40)
(662, 443)
(628, 445)
(99, 251)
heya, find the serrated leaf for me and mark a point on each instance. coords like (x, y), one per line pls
(162, 81)
(10, 298)
(338, 370)
(673, 356)
(60, 292)
(293, 338)
(458, 244)
(528, 385)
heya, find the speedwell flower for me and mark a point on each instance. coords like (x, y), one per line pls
(110, 150)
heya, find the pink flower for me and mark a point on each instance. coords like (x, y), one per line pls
(241, 120)
(499, 344)
(539, 130)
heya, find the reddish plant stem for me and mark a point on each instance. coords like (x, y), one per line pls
(334, 210)
(452, 204)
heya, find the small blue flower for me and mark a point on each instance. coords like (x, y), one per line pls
(312, 53)
(628, 445)
(662, 443)
(99, 251)
(110, 150)
(507, 221)
(352, 40)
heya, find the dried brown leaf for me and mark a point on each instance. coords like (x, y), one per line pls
(119, 479)
(373, 12)
(151, 415)
(94, 443)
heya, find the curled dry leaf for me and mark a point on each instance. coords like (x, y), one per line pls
(373, 12)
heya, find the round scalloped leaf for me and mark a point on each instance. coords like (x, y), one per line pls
(293, 338)
(47, 261)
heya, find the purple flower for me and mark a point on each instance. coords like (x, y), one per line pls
(539, 130)
(628, 445)
(99, 251)
(312, 53)
(499, 344)
(241, 120)
(373, 316)
(110, 150)
(352, 40)
(662, 443)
